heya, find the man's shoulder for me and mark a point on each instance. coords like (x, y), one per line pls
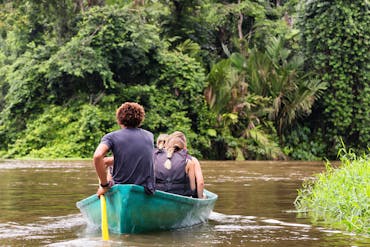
(113, 133)
(147, 132)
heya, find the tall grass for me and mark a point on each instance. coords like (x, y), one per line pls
(339, 197)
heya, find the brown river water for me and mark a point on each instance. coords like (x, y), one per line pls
(255, 207)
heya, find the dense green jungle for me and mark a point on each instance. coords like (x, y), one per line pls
(244, 80)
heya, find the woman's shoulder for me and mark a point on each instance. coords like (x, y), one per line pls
(188, 156)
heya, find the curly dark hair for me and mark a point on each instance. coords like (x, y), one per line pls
(130, 114)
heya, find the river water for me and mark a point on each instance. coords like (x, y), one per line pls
(255, 207)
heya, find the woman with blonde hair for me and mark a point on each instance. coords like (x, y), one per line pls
(199, 180)
(161, 141)
(175, 170)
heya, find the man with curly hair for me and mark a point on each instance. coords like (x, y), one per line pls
(132, 149)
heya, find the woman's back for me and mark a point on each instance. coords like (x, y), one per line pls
(171, 176)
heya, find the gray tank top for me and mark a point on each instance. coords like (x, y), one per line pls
(173, 180)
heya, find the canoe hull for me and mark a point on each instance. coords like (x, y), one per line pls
(130, 210)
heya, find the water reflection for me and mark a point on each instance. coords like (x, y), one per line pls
(255, 207)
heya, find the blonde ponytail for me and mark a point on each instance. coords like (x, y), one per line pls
(173, 144)
(168, 163)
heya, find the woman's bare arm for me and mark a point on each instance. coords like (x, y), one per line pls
(198, 177)
(190, 170)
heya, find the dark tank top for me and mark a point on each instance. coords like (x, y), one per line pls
(173, 180)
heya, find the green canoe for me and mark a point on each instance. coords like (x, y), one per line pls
(130, 210)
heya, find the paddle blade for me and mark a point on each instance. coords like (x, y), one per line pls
(104, 218)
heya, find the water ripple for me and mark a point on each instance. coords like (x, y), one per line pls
(41, 229)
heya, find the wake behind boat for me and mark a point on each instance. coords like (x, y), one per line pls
(130, 210)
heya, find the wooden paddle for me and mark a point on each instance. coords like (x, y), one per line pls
(104, 218)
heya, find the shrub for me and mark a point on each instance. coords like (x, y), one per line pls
(340, 197)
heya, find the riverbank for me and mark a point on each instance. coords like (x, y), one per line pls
(340, 197)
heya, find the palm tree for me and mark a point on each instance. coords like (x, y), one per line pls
(276, 74)
(240, 113)
(250, 89)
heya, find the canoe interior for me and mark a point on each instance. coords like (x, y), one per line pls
(130, 210)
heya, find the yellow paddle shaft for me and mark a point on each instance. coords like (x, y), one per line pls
(104, 218)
